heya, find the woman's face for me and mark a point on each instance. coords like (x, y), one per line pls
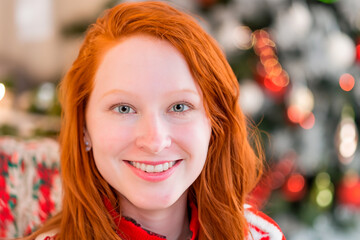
(146, 122)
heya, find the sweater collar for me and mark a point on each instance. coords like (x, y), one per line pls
(129, 229)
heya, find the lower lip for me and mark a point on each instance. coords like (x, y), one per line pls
(155, 176)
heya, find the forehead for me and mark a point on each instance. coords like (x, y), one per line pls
(139, 61)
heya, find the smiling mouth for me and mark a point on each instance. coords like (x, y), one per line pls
(150, 168)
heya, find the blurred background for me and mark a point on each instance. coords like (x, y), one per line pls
(298, 66)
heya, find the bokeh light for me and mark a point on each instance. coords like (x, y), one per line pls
(346, 140)
(324, 190)
(251, 97)
(45, 96)
(300, 101)
(295, 187)
(340, 52)
(294, 114)
(296, 183)
(347, 150)
(282, 170)
(322, 180)
(328, 1)
(347, 131)
(324, 198)
(303, 98)
(308, 122)
(2, 91)
(349, 189)
(273, 76)
(243, 37)
(347, 82)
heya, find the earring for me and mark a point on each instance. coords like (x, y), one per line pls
(87, 146)
(87, 143)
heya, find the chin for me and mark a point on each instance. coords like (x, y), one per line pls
(156, 201)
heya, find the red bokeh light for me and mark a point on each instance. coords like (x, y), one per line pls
(349, 191)
(358, 52)
(294, 189)
(282, 80)
(269, 84)
(296, 183)
(266, 53)
(347, 82)
(308, 122)
(294, 114)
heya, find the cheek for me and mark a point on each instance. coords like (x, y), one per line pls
(111, 136)
(194, 137)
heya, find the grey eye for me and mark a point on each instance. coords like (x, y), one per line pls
(179, 107)
(123, 109)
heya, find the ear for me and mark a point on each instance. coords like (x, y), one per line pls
(87, 140)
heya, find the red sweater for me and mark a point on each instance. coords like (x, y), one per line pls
(260, 226)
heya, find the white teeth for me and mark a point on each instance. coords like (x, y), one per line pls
(158, 168)
(149, 168)
(153, 168)
(165, 166)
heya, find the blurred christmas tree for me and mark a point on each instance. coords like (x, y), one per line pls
(298, 67)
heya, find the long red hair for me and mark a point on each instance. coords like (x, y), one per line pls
(232, 167)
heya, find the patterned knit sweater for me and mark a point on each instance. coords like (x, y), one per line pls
(30, 186)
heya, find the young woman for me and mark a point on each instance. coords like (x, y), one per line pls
(153, 142)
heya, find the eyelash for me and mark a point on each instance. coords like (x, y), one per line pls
(113, 107)
(185, 103)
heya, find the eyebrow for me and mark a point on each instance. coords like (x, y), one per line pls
(183, 91)
(116, 91)
(120, 91)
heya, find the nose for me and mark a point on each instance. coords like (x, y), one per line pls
(153, 136)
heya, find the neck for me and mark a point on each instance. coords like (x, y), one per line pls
(172, 222)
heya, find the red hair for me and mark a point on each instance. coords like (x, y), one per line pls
(232, 168)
